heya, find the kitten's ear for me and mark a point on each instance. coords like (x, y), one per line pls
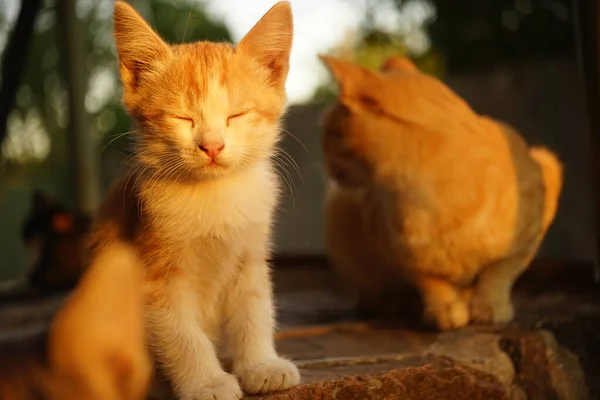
(270, 42)
(96, 342)
(351, 77)
(396, 63)
(138, 46)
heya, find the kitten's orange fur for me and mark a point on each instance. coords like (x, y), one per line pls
(95, 348)
(200, 198)
(423, 190)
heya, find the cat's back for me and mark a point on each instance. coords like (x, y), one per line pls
(458, 185)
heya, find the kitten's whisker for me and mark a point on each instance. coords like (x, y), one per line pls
(119, 134)
(284, 154)
(115, 138)
(296, 138)
(282, 162)
(173, 167)
(288, 185)
(286, 179)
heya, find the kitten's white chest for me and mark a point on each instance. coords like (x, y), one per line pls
(220, 209)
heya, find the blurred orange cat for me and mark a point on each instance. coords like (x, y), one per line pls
(200, 199)
(95, 348)
(424, 191)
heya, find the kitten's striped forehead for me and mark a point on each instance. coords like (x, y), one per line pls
(214, 104)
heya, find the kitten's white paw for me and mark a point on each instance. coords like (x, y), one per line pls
(225, 388)
(268, 376)
(484, 311)
(445, 316)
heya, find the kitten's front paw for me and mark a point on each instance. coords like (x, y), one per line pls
(447, 315)
(268, 376)
(224, 388)
(484, 311)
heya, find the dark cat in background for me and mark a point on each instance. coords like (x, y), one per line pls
(54, 237)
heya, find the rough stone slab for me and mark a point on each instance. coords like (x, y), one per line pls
(420, 378)
(27, 316)
(524, 360)
(529, 364)
(351, 340)
(478, 350)
(543, 367)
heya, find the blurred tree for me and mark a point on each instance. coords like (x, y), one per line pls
(441, 36)
(14, 58)
(485, 33)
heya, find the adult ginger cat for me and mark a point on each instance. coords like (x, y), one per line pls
(95, 348)
(200, 198)
(425, 193)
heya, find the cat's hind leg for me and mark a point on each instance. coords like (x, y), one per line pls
(444, 305)
(491, 300)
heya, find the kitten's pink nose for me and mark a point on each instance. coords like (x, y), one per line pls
(212, 149)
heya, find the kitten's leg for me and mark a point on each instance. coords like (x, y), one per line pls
(185, 353)
(250, 332)
(491, 300)
(443, 304)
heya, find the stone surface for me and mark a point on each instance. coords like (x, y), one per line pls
(26, 317)
(420, 378)
(543, 367)
(539, 356)
(480, 351)
(528, 364)
(352, 340)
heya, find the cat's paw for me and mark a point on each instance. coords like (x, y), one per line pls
(225, 387)
(484, 311)
(268, 376)
(447, 315)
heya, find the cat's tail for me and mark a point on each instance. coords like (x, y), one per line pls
(552, 176)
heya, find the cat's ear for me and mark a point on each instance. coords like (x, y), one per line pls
(270, 42)
(96, 342)
(138, 46)
(352, 78)
(400, 64)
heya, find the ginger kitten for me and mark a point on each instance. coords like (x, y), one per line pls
(424, 192)
(95, 348)
(199, 201)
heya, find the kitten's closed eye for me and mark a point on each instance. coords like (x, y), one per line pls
(180, 118)
(236, 115)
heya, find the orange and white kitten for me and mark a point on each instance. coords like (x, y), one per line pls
(425, 192)
(95, 348)
(200, 200)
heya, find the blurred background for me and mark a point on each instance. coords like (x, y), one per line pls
(63, 130)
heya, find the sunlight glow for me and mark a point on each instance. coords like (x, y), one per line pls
(27, 140)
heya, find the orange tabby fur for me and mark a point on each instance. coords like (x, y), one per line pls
(425, 191)
(200, 198)
(95, 348)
